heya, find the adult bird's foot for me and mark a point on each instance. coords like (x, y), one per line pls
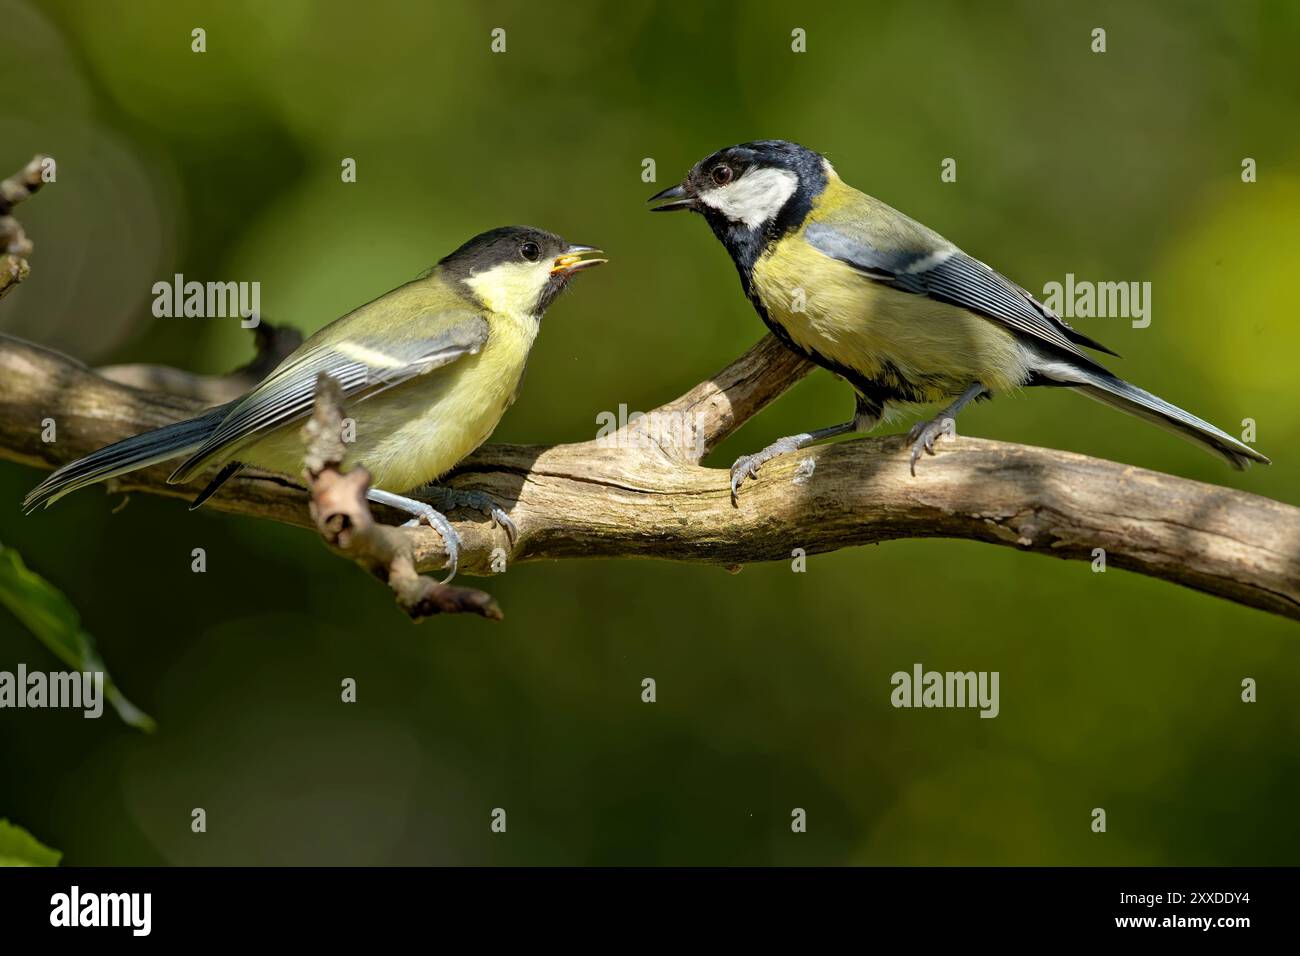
(747, 466)
(923, 435)
(451, 498)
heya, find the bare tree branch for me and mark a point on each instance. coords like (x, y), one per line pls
(273, 342)
(15, 247)
(641, 494)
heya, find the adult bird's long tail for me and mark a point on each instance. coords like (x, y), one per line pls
(129, 454)
(1117, 393)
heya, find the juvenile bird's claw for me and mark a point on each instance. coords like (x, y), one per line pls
(923, 436)
(450, 537)
(503, 520)
(480, 501)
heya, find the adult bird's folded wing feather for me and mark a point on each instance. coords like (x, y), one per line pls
(933, 267)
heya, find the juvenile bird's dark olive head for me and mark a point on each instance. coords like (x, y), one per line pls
(518, 269)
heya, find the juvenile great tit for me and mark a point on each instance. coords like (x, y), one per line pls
(892, 307)
(428, 370)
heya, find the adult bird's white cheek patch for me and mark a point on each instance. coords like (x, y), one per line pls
(755, 197)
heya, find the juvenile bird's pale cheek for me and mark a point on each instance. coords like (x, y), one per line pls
(511, 287)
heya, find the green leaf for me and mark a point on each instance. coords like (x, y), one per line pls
(20, 848)
(49, 615)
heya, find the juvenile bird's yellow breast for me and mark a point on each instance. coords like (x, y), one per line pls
(828, 307)
(426, 428)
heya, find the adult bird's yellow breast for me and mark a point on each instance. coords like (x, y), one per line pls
(828, 307)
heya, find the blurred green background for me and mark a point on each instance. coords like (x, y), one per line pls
(773, 687)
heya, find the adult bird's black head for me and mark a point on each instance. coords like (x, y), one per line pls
(750, 194)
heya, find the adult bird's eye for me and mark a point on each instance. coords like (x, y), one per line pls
(721, 174)
(530, 251)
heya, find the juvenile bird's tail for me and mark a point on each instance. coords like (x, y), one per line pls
(124, 456)
(1117, 393)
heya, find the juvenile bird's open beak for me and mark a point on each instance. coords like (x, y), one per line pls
(673, 198)
(572, 260)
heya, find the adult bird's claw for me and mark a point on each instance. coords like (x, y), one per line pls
(747, 466)
(923, 436)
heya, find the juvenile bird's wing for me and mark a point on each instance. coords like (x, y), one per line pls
(366, 359)
(888, 247)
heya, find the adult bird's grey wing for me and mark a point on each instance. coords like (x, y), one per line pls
(363, 366)
(935, 268)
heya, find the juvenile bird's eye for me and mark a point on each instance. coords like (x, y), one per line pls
(721, 174)
(530, 251)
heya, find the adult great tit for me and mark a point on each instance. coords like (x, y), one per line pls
(891, 306)
(428, 370)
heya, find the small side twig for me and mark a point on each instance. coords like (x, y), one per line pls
(342, 516)
(273, 342)
(15, 247)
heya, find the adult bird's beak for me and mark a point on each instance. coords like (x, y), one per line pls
(673, 198)
(572, 261)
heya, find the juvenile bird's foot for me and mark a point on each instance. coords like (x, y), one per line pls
(449, 499)
(747, 466)
(425, 513)
(923, 435)
(450, 537)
